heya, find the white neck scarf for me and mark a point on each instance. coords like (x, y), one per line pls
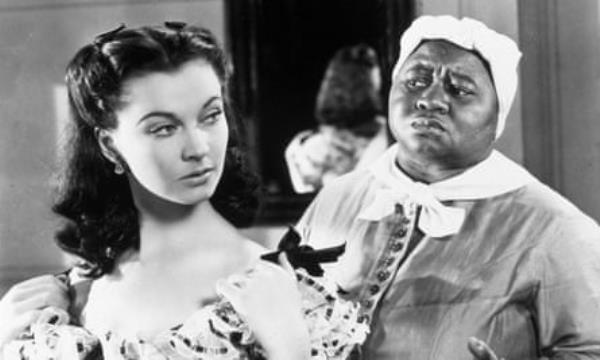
(493, 176)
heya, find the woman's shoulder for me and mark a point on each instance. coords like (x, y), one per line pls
(253, 249)
(247, 246)
(250, 252)
(344, 197)
(213, 331)
(348, 186)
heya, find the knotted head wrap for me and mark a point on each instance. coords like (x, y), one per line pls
(498, 50)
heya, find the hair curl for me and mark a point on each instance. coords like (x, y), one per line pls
(102, 220)
(349, 97)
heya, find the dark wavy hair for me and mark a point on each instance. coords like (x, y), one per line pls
(348, 97)
(102, 221)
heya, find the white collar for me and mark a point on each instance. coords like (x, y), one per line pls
(491, 177)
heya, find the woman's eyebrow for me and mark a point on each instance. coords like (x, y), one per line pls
(210, 101)
(463, 77)
(163, 114)
(172, 116)
(420, 66)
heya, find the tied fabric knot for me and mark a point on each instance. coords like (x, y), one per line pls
(439, 220)
(435, 220)
(304, 256)
(494, 176)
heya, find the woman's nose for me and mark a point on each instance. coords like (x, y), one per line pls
(196, 145)
(433, 99)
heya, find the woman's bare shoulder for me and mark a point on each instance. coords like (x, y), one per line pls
(252, 251)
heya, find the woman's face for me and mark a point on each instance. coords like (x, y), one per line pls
(443, 106)
(172, 132)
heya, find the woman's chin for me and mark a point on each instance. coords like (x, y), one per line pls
(158, 195)
(189, 199)
(185, 197)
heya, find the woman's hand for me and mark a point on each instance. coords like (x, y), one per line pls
(268, 300)
(22, 305)
(480, 350)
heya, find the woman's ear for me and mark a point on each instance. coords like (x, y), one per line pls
(106, 143)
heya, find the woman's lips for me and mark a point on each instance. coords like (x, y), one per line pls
(427, 124)
(198, 176)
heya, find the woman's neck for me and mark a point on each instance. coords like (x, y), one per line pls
(178, 262)
(426, 173)
(429, 170)
(182, 232)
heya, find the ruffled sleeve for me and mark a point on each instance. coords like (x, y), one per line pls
(215, 331)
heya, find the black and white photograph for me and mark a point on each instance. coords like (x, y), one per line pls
(299, 179)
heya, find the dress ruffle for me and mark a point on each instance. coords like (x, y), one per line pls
(215, 331)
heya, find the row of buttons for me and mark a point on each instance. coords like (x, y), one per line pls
(389, 259)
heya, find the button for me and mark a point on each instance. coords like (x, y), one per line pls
(383, 275)
(397, 246)
(374, 289)
(401, 232)
(387, 261)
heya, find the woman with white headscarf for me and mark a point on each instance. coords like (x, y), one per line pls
(447, 239)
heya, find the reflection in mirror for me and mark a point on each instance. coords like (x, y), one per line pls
(280, 50)
(351, 126)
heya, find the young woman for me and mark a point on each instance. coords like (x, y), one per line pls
(154, 188)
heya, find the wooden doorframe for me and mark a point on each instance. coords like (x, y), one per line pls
(540, 90)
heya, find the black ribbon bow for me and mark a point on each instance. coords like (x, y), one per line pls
(304, 256)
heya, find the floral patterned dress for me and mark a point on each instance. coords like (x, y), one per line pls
(214, 331)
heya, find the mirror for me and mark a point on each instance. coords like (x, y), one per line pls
(280, 50)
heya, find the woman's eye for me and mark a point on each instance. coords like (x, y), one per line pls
(460, 91)
(416, 83)
(163, 130)
(212, 117)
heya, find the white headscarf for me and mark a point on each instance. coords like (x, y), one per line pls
(499, 50)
